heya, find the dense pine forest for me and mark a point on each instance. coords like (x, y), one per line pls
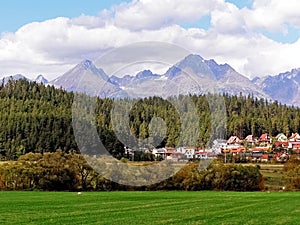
(38, 118)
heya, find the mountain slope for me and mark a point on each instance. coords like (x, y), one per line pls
(191, 75)
(41, 79)
(129, 80)
(14, 77)
(285, 87)
(86, 78)
(194, 75)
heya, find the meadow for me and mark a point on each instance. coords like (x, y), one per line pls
(273, 175)
(150, 208)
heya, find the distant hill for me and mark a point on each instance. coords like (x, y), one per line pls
(38, 118)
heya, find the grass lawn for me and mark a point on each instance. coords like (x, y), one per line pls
(149, 208)
(273, 174)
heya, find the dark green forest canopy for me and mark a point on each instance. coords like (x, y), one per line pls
(38, 118)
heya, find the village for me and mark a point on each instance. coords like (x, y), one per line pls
(251, 149)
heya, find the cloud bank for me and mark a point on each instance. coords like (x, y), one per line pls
(236, 36)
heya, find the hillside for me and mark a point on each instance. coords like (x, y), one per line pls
(284, 87)
(38, 118)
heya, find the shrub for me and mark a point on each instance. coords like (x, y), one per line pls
(60, 172)
(292, 173)
(232, 177)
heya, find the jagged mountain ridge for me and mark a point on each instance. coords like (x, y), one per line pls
(191, 75)
(39, 79)
(129, 80)
(86, 78)
(284, 87)
(211, 76)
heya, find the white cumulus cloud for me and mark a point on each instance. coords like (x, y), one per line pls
(273, 15)
(53, 46)
(146, 14)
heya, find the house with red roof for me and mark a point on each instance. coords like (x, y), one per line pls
(294, 143)
(251, 139)
(282, 145)
(294, 146)
(265, 139)
(234, 146)
(281, 141)
(170, 152)
(201, 154)
(234, 149)
(294, 137)
(234, 140)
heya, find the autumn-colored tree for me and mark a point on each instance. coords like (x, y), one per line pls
(292, 173)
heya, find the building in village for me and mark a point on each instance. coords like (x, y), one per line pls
(257, 149)
(265, 140)
(234, 146)
(251, 140)
(294, 143)
(218, 145)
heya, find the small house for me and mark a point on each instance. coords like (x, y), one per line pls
(294, 146)
(201, 154)
(170, 152)
(190, 153)
(159, 153)
(281, 137)
(294, 137)
(234, 140)
(251, 139)
(218, 145)
(265, 139)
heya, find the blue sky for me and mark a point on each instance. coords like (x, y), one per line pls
(290, 37)
(256, 37)
(16, 13)
(242, 3)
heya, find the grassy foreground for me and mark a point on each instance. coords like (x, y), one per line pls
(149, 208)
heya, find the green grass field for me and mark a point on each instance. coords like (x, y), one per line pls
(273, 175)
(149, 208)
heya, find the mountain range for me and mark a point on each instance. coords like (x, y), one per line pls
(284, 87)
(191, 75)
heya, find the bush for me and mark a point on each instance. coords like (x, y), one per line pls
(51, 172)
(218, 176)
(61, 172)
(232, 177)
(292, 173)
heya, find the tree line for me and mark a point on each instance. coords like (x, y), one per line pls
(38, 118)
(60, 171)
